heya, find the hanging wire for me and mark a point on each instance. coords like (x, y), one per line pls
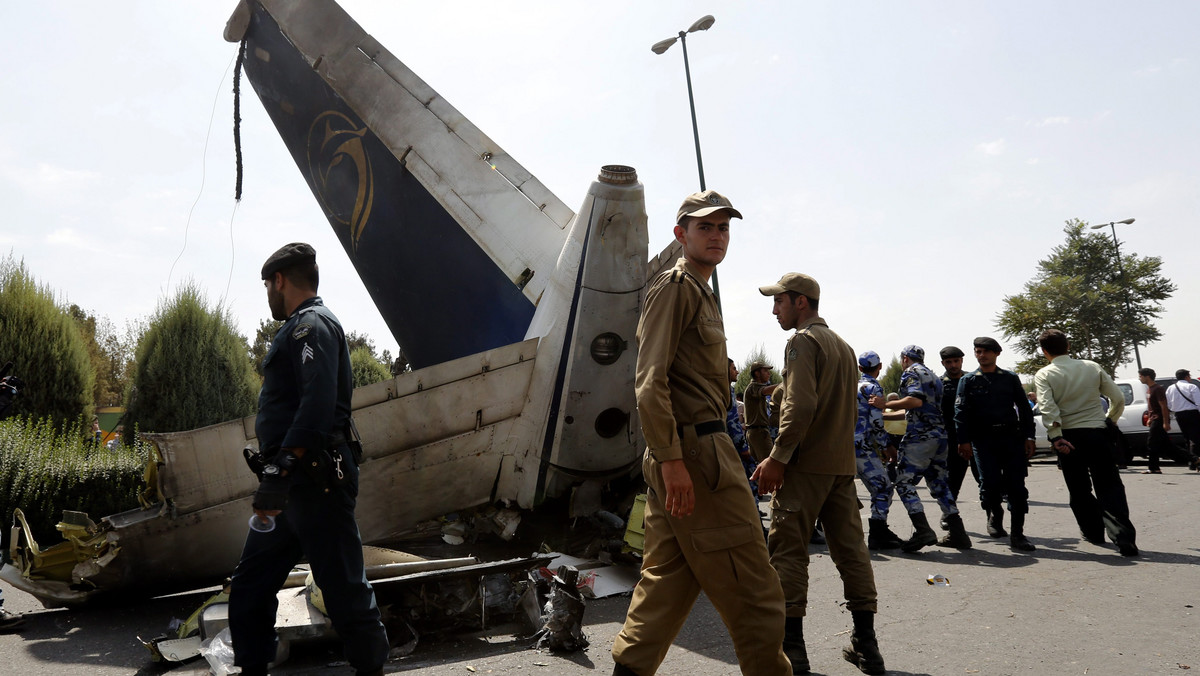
(203, 175)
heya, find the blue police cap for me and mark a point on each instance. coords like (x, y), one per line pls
(869, 360)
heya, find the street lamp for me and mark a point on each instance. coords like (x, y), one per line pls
(1121, 270)
(702, 24)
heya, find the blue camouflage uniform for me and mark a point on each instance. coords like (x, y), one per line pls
(923, 450)
(733, 425)
(869, 442)
(305, 403)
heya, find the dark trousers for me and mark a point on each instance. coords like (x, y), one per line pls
(319, 526)
(1189, 426)
(957, 466)
(1002, 472)
(1090, 465)
(1159, 445)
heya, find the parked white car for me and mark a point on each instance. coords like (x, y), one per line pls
(1130, 423)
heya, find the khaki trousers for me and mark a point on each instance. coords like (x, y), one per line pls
(718, 549)
(798, 504)
(760, 443)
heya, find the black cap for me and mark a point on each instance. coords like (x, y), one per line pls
(950, 352)
(989, 344)
(296, 253)
(1183, 374)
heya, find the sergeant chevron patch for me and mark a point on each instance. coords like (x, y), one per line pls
(307, 354)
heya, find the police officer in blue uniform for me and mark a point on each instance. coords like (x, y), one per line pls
(870, 442)
(923, 453)
(995, 425)
(308, 477)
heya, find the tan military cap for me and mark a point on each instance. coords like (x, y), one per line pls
(794, 281)
(705, 203)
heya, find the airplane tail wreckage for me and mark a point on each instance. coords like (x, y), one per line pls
(533, 400)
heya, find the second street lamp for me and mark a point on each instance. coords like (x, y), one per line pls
(702, 24)
(1124, 282)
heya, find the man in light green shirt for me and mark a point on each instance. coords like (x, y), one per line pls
(1068, 393)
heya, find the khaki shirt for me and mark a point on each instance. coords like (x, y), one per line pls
(682, 368)
(819, 403)
(756, 404)
(1068, 392)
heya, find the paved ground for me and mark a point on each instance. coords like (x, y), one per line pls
(1070, 608)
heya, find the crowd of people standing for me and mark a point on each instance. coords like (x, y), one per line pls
(705, 461)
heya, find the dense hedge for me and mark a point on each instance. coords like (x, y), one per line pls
(45, 469)
(193, 368)
(45, 346)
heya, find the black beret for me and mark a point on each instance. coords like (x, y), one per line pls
(989, 344)
(296, 253)
(950, 352)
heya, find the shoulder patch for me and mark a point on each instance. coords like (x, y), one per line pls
(301, 330)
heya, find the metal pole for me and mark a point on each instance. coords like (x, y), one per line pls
(1125, 283)
(687, 71)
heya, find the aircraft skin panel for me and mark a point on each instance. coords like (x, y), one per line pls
(205, 467)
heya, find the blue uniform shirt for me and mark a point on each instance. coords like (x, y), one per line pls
(925, 421)
(307, 382)
(868, 430)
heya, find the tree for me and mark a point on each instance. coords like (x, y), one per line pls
(46, 348)
(356, 340)
(366, 368)
(890, 382)
(109, 353)
(757, 354)
(267, 328)
(192, 369)
(1103, 307)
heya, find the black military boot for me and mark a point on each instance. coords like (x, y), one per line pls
(1018, 542)
(793, 644)
(922, 536)
(957, 537)
(995, 524)
(622, 670)
(863, 651)
(880, 536)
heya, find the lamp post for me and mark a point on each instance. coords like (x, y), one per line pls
(1121, 270)
(702, 24)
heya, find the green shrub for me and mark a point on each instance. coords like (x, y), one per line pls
(366, 368)
(46, 349)
(46, 468)
(192, 368)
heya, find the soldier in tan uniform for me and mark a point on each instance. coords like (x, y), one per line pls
(702, 527)
(811, 471)
(758, 433)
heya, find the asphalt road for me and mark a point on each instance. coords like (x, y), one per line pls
(1069, 608)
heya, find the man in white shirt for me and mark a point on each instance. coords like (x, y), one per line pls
(1068, 392)
(1183, 398)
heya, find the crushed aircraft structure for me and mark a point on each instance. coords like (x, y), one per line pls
(534, 399)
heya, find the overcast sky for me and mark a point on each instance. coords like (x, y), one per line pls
(916, 158)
